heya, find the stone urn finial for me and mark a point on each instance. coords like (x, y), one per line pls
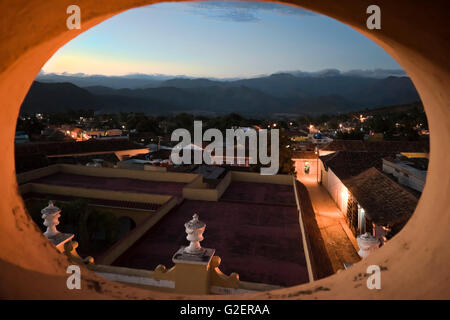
(367, 244)
(194, 230)
(51, 215)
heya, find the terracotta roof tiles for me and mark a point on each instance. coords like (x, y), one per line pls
(346, 164)
(384, 200)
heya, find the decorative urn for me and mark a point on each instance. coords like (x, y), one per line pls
(367, 244)
(51, 215)
(194, 230)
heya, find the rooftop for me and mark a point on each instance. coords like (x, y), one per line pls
(209, 172)
(144, 206)
(113, 184)
(260, 193)
(419, 164)
(260, 241)
(377, 146)
(384, 200)
(346, 164)
(74, 147)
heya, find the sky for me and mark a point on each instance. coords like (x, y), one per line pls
(218, 39)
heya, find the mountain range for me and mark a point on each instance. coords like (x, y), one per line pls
(329, 91)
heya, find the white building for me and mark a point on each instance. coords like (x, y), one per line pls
(410, 172)
(369, 200)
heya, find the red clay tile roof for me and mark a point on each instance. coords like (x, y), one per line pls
(337, 145)
(346, 164)
(384, 200)
(377, 146)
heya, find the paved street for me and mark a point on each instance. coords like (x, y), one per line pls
(340, 242)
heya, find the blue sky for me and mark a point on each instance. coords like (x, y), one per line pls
(218, 39)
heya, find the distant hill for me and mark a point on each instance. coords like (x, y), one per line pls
(46, 97)
(165, 100)
(401, 108)
(189, 83)
(116, 82)
(325, 92)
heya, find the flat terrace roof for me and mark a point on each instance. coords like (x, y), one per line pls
(262, 242)
(113, 184)
(144, 206)
(260, 193)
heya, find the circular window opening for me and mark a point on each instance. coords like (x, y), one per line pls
(347, 198)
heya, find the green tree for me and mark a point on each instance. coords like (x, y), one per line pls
(104, 221)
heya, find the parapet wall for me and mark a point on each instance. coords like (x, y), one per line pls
(198, 190)
(195, 188)
(127, 173)
(284, 179)
(106, 172)
(37, 173)
(319, 265)
(162, 279)
(94, 193)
